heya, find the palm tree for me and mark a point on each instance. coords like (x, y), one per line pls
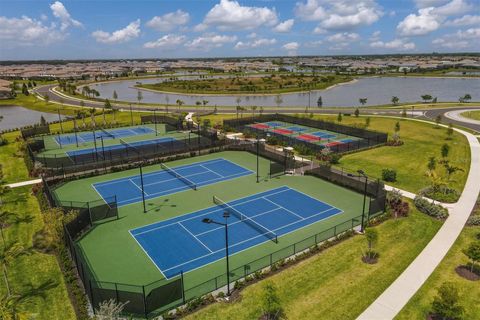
(362, 101)
(254, 108)
(238, 100)
(395, 100)
(167, 100)
(115, 96)
(8, 255)
(278, 100)
(197, 103)
(204, 102)
(139, 96)
(179, 103)
(10, 307)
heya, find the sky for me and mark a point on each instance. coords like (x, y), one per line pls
(227, 28)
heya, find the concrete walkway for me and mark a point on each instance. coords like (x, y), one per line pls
(24, 183)
(395, 297)
(457, 115)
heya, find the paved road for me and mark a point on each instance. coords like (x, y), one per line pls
(432, 114)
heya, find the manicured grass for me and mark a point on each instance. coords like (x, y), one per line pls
(420, 305)
(472, 115)
(31, 271)
(113, 253)
(336, 284)
(421, 141)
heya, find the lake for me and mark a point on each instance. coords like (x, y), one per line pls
(378, 90)
(15, 117)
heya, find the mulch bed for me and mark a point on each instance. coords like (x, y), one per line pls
(464, 272)
(369, 260)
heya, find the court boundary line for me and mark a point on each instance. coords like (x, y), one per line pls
(266, 241)
(195, 237)
(150, 257)
(136, 185)
(186, 214)
(185, 188)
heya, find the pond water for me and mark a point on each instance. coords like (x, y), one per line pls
(15, 117)
(378, 90)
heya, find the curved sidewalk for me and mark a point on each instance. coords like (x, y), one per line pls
(457, 115)
(396, 296)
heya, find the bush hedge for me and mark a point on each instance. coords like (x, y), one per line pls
(427, 207)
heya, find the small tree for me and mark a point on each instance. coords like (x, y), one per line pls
(432, 163)
(395, 100)
(397, 127)
(404, 113)
(450, 131)
(115, 96)
(46, 97)
(446, 304)
(367, 122)
(43, 122)
(371, 235)
(445, 150)
(270, 300)
(473, 253)
(438, 120)
(426, 97)
(139, 96)
(319, 102)
(339, 117)
(450, 169)
(362, 101)
(357, 112)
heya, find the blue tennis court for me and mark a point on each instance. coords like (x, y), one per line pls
(323, 135)
(108, 134)
(274, 124)
(159, 183)
(297, 129)
(88, 151)
(186, 243)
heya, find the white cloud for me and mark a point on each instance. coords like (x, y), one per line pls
(319, 30)
(431, 18)
(169, 21)
(167, 42)
(60, 12)
(340, 14)
(291, 48)
(252, 35)
(429, 3)
(461, 39)
(230, 15)
(396, 44)
(343, 37)
(313, 44)
(375, 36)
(285, 26)
(417, 25)
(207, 42)
(310, 11)
(467, 20)
(26, 31)
(123, 35)
(255, 44)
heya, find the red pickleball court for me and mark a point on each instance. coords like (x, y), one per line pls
(309, 137)
(283, 131)
(260, 126)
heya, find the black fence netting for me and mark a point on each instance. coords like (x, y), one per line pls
(101, 158)
(173, 122)
(364, 138)
(28, 132)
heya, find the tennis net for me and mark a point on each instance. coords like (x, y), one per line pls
(174, 173)
(108, 133)
(129, 146)
(255, 225)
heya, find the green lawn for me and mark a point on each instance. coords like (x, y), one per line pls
(420, 305)
(410, 160)
(472, 115)
(114, 262)
(336, 284)
(31, 271)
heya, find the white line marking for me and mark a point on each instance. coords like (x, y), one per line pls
(139, 188)
(203, 244)
(290, 211)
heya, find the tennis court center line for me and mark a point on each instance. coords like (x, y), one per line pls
(284, 207)
(216, 173)
(211, 210)
(195, 237)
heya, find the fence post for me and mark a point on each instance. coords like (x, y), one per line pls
(271, 261)
(116, 293)
(183, 287)
(144, 302)
(91, 295)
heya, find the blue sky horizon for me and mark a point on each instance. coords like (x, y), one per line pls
(43, 30)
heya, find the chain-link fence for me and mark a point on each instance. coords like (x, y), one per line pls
(364, 138)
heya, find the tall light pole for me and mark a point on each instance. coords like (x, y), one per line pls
(226, 215)
(258, 153)
(362, 173)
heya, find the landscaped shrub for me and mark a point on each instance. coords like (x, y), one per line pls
(397, 206)
(441, 193)
(427, 207)
(389, 175)
(474, 221)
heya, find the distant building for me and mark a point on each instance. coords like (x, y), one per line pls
(5, 90)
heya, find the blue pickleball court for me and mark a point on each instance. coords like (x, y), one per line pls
(89, 136)
(186, 243)
(160, 183)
